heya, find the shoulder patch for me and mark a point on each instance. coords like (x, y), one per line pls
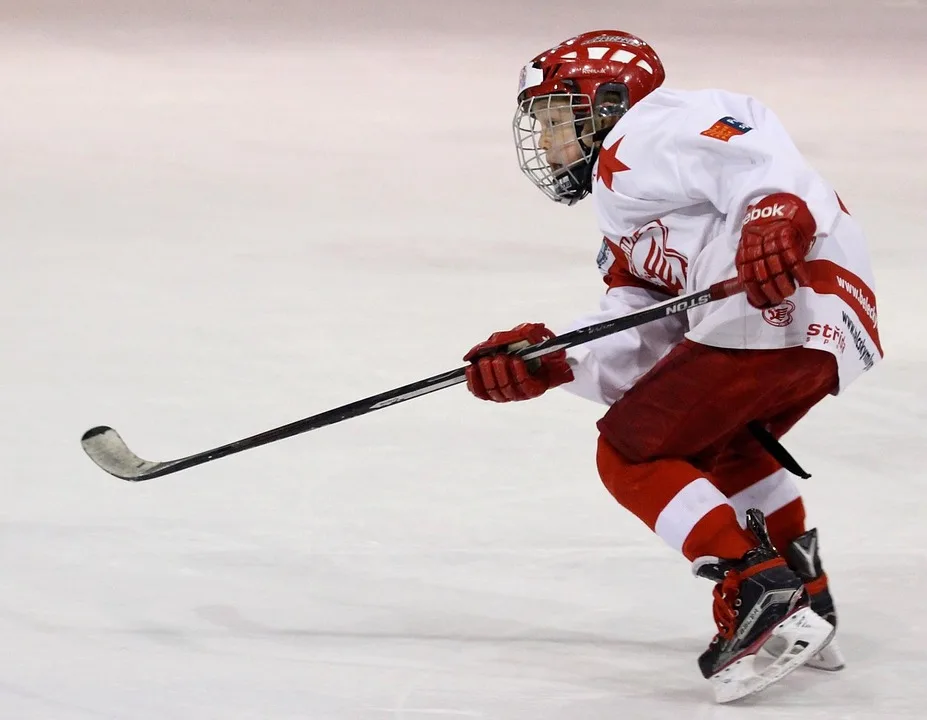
(726, 128)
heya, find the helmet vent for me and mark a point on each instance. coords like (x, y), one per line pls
(597, 53)
(623, 56)
(645, 65)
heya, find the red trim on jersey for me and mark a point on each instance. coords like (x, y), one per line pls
(842, 206)
(828, 278)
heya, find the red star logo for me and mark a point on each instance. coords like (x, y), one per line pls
(609, 164)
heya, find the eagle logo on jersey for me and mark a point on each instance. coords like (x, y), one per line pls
(609, 164)
(650, 259)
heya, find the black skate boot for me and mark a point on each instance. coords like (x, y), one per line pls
(803, 557)
(757, 597)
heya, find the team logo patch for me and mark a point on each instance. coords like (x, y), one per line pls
(781, 315)
(530, 76)
(605, 257)
(726, 128)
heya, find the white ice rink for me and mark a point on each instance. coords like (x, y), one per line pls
(219, 217)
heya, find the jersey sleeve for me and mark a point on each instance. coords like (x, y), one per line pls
(605, 369)
(732, 151)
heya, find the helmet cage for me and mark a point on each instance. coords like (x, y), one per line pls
(590, 120)
(558, 182)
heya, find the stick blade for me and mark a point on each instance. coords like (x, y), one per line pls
(108, 450)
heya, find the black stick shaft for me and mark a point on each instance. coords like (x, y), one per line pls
(133, 468)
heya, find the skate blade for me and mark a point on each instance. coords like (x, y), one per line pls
(828, 658)
(804, 634)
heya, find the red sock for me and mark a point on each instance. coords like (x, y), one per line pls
(718, 533)
(786, 524)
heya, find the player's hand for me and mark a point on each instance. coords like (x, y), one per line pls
(777, 234)
(498, 375)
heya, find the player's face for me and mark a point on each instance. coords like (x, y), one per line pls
(558, 136)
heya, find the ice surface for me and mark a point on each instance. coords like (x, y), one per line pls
(221, 218)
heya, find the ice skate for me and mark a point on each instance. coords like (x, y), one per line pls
(803, 557)
(757, 598)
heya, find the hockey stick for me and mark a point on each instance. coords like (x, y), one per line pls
(108, 450)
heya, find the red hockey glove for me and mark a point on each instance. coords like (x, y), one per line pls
(499, 376)
(777, 235)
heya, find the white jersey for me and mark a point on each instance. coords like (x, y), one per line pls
(673, 182)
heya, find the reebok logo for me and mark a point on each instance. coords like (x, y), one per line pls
(776, 211)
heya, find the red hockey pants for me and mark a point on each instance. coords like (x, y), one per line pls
(675, 449)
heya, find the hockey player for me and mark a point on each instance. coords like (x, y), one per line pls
(692, 188)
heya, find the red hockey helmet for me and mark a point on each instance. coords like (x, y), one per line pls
(569, 97)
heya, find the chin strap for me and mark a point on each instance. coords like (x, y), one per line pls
(584, 178)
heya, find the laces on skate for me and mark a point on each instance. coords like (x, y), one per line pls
(756, 599)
